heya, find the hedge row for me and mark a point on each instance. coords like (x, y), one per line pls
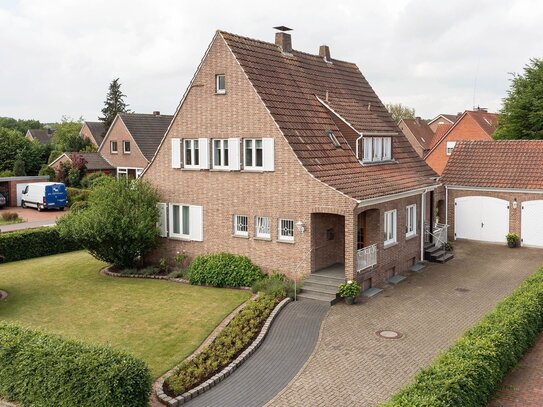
(40, 369)
(30, 243)
(228, 344)
(223, 270)
(469, 373)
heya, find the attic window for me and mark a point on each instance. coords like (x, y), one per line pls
(220, 84)
(377, 149)
(333, 138)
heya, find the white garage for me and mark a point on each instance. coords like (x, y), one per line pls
(20, 189)
(532, 223)
(481, 218)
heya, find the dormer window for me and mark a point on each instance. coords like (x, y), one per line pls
(377, 149)
(450, 147)
(220, 84)
(333, 138)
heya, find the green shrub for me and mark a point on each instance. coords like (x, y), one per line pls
(27, 244)
(94, 179)
(6, 173)
(46, 170)
(230, 342)
(469, 373)
(223, 270)
(74, 195)
(275, 285)
(10, 216)
(38, 369)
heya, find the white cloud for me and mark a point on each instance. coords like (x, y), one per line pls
(59, 56)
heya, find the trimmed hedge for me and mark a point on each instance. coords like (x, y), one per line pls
(30, 243)
(40, 369)
(469, 373)
(228, 344)
(223, 270)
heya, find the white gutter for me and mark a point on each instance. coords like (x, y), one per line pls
(422, 215)
(399, 195)
(357, 142)
(446, 205)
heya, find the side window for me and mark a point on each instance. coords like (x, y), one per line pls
(220, 84)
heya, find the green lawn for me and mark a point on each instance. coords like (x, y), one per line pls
(158, 321)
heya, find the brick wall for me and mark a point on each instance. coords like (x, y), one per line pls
(328, 239)
(412, 139)
(86, 134)
(120, 133)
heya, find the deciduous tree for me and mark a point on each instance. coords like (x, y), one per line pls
(399, 111)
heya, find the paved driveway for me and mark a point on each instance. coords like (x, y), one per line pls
(32, 218)
(352, 366)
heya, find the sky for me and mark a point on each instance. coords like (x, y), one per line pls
(57, 57)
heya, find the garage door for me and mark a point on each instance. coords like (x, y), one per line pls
(20, 188)
(481, 218)
(531, 223)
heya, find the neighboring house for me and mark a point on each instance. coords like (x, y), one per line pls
(292, 160)
(472, 125)
(42, 135)
(419, 134)
(132, 140)
(12, 187)
(94, 132)
(496, 187)
(94, 162)
(443, 118)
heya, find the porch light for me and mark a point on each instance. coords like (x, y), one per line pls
(515, 204)
(301, 227)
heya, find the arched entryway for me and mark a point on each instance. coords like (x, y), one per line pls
(327, 240)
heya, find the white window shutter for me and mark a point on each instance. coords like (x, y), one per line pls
(170, 217)
(196, 216)
(162, 219)
(233, 154)
(368, 148)
(203, 147)
(268, 152)
(176, 153)
(387, 148)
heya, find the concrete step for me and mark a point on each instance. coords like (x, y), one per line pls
(445, 258)
(323, 282)
(372, 292)
(397, 279)
(432, 249)
(436, 255)
(417, 268)
(320, 288)
(325, 279)
(326, 298)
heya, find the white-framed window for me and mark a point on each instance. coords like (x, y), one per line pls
(390, 227)
(377, 149)
(241, 225)
(450, 147)
(286, 230)
(253, 153)
(113, 147)
(220, 84)
(191, 153)
(220, 154)
(138, 172)
(333, 138)
(411, 220)
(162, 219)
(263, 227)
(126, 147)
(122, 172)
(186, 221)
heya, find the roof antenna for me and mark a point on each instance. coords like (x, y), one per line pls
(475, 82)
(369, 106)
(326, 97)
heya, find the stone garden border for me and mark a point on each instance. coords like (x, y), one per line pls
(223, 374)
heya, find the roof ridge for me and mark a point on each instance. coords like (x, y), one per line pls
(144, 114)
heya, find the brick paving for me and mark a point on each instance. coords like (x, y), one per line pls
(523, 386)
(352, 366)
(32, 218)
(288, 345)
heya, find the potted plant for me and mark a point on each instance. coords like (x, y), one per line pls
(512, 240)
(349, 291)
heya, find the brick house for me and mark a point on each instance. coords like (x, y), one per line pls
(418, 133)
(94, 132)
(472, 125)
(493, 188)
(12, 187)
(94, 163)
(43, 136)
(132, 140)
(291, 159)
(441, 119)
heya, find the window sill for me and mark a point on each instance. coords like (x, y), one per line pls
(285, 241)
(389, 245)
(184, 239)
(378, 162)
(410, 237)
(192, 168)
(241, 236)
(253, 170)
(226, 169)
(220, 93)
(114, 152)
(265, 239)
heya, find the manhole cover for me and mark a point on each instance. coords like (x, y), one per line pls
(389, 334)
(3, 294)
(462, 290)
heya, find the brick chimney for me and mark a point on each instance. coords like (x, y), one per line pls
(283, 39)
(324, 52)
(156, 113)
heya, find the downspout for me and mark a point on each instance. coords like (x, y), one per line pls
(446, 205)
(422, 215)
(357, 142)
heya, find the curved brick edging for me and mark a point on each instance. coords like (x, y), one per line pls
(3, 294)
(223, 374)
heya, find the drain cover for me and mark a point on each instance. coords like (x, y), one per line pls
(389, 334)
(462, 290)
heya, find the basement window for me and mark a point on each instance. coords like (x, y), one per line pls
(220, 84)
(333, 138)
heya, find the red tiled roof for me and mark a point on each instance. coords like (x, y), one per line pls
(487, 121)
(514, 164)
(441, 130)
(290, 86)
(450, 117)
(421, 131)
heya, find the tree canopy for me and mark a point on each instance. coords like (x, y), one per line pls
(521, 116)
(113, 104)
(399, 111)
(66, 136)
(14, 146)
(20, 125)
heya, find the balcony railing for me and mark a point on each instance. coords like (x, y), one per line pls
(366, 257)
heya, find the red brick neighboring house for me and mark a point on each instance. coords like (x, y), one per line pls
(496, 187)
(291, 159)
(132, 140)
(472, 125)
(12, 187)
(44, 136)
(441, 119)
(419, 134)
(94, 163)
(94, 132)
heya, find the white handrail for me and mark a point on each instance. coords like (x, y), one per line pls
(366, 257)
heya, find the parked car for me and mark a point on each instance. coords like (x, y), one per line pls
(44, 195)
(3, 201)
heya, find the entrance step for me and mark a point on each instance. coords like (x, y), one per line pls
(325, 279)
(372, 292)
(321, 287)
(435, 255)
(315, 296)
(445, 257)
(310, 286)
(417, 268)
(397, 279)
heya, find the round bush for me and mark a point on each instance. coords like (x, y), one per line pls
(223, 269)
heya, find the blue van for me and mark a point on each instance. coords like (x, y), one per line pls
(44, 195)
